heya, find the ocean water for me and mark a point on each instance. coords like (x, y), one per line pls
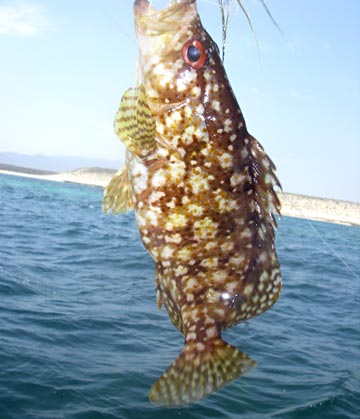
(81, 336)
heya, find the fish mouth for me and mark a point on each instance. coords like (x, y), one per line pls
(150, 21)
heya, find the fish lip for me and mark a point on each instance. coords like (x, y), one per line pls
(142, 7)
(147, 18)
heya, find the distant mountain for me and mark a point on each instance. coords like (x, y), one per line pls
(26, 170)
(55, 163)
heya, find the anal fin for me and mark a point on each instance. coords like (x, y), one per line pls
(199, 370)
(117, 196)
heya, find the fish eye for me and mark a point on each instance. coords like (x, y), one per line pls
(194, 53)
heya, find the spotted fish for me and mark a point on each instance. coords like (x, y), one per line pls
(202, 189)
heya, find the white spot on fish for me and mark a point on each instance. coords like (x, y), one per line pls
(237, 179)
(189, 298)
(210, 245)
(246, 234)
(237, 260)
(185, 254)
(211, 332)
(210, 263)
(167, 252)
(177, 171)
(244, 153)
(152, 216)
(181, 270)
(155, 196)
(195, 210)
(227, 246)
(185, 200)
(264, 277)
(175, 220)
(228, 125)
(196, 91)
(220, 276)
(199, 109)
(248, 289)
(263, 257)
(175, 117)
(225, 160)
(199, 183)
(200, 347)
(140, 177)
(175, 238)
(158, 179)
(205, 228)
(216, 105)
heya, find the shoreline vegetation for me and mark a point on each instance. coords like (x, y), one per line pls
(293, 205)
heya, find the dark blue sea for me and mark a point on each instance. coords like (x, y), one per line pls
(81, 336)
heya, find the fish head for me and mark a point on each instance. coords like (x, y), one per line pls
(173, 49)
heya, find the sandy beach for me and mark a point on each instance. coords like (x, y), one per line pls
(293, 205)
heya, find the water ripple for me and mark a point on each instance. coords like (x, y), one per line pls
(81, 336)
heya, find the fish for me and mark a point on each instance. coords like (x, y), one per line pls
(204, 194)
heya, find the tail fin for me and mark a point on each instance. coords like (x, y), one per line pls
(200, 369)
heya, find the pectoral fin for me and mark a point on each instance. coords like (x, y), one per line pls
(117, 197)
(134, 123)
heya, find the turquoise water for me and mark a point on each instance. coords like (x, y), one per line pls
(81, 336)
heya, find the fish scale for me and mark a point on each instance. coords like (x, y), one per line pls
(202, 189)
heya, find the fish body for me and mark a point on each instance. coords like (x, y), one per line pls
(202, 189)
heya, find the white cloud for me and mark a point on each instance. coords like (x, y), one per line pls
(327, 46)
(23, 20)
(255, 91)
(299, 95)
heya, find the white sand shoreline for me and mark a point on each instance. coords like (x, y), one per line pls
(298, 206)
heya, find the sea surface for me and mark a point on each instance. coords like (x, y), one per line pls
(81, 336)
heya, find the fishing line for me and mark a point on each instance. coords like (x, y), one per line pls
(119, 27)
(267, 10)
(317, 233)
(226, 8)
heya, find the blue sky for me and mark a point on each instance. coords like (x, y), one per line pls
(65, 64)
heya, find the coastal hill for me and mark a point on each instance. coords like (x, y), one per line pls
(293, 205)
(56, 163)
(26, 170)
